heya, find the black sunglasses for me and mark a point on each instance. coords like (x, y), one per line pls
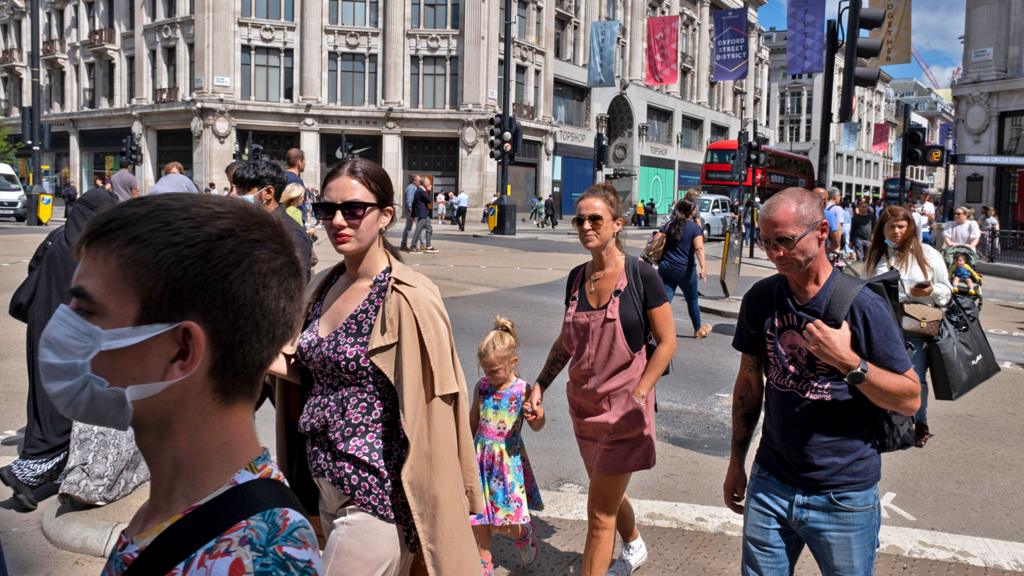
(596, 220)
(785, 243)
(351, 211)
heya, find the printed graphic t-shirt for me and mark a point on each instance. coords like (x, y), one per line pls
(276, 541)
(818, 432)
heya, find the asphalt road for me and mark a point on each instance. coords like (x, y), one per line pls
(964, 482)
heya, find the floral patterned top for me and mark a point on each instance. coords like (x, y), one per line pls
(351, 418)
(276, 541)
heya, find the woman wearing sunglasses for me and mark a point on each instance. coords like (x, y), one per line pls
(611, 377)
(385, 414)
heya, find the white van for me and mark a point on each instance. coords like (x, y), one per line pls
(13, 203)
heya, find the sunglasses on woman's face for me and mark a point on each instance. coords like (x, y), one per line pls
(352, 211)
(596, 220)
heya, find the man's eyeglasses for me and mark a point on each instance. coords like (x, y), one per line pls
(596, 220)
(352, 211)
(959, 213)
(785, 243)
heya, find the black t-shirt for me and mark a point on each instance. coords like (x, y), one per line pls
(818, 432)
(651, 296)
(861, 225)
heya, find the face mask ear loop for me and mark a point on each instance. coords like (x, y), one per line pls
(116, 338)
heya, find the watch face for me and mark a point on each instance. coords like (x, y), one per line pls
(856, 377)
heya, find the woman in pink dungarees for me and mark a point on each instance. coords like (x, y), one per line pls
(611, 378)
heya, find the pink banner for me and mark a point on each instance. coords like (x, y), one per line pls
(880, 141)
(662, 51)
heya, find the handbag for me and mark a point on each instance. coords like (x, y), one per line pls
(961, 358)
(655, 248)
(921, 319)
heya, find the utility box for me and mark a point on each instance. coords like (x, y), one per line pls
(504, 216)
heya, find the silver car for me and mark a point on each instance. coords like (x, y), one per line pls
(714, 213)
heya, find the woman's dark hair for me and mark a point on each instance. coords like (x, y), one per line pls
(683, 211)
(606, 193)
(374, 178)
(908, 247)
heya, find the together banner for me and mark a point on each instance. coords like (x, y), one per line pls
(662, 51)
(805, 40)
(730, 49)
(603, 36)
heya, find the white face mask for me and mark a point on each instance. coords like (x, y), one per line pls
(66, 349)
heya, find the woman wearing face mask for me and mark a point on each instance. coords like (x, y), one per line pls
(923, 279)
(376, 349)
(44, 451)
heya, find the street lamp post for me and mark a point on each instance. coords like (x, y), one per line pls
(34, 128)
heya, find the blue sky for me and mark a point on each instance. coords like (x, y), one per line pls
(937, 26)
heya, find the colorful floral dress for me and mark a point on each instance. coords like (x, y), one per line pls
(276, 541)
(509, 488)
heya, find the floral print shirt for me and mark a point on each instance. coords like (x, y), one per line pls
(351, 416)
(276, 541)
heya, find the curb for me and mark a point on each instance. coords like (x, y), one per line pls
(67, 530)
(516, 236)
(713, 307)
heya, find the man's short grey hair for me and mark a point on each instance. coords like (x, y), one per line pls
(804, 203)
(833, 192)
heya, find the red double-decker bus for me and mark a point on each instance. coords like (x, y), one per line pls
(783, 170)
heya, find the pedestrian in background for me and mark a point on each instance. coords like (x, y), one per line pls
(440, 203)
(613, 303)
(296, 161)
(815, 477)
(923, 280)
(375, 332)
(70, 194)
(549, 212)
(462, 206)
(682, 261)
(861, 225)
(407, 199)
(989, 244)
(229, 171)
(186, 340)
(291, 199)
(43, 453)
(124, 184)
(496, 417)
(962, 230)
(421, 205)
(174, 180)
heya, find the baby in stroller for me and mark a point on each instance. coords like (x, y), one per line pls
(962, 275)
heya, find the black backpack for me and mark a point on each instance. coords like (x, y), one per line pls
(896, 431)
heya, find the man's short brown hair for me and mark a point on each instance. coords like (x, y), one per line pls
(294, 156)
(213, 260)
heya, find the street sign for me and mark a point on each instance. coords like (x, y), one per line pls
(988, 160)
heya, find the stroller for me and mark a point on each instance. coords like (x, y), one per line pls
(965, 279)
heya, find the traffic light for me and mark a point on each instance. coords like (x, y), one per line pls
(516, 142)
(126, 148)
(600, 151)
(496, 143)
(935, 155)
(739, 164)
(859, 18)
(255, 151)
(914, 150)
(135, 153)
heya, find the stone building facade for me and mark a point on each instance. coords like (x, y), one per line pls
(989, 102)
(409, 83)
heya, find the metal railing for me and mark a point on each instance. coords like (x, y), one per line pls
(101, 36)
(169, 94)
(52, 47)
(1003, 247)
(10, 56)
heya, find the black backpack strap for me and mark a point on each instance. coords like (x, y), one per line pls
(843, 292)
(197, 528)
(637, 282)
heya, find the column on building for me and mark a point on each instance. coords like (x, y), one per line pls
(311, 41)
(728, 93)
(309, 143)
(753, 73)
(549, 66)
(804, 113)
(394, 53)
(762, 116)
(391, 157)
(637, 32)
(75, 161)
(473, 42)
(673, 10)
(704, 53)
(147, 172)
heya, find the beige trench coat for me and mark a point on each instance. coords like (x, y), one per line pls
(412, 343)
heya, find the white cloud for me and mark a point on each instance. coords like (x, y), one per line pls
(942, 75)
(938, 25)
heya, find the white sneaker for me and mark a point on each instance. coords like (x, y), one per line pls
(632, 557)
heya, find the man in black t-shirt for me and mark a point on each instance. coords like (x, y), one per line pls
(815, 476)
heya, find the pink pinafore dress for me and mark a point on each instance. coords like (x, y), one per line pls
(614, 434)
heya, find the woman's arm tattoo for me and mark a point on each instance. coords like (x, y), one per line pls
(557, 359)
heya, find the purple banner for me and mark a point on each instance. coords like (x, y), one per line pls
(805, 41)
(730, 45)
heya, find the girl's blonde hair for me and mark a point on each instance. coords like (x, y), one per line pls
(500, 343)
(292, 195)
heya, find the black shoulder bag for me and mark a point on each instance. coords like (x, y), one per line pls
(197, 528)
(895, 431)
(636, 295)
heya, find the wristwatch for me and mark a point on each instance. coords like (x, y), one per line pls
(858, 375)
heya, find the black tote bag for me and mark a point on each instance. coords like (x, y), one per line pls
(960, 358)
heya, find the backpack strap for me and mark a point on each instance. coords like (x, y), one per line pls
(636, 281)
(843, 292)
(200, 526)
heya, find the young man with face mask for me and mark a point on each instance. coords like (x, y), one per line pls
(179, 304)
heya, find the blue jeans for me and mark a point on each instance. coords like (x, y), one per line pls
(840, 528)
(687, 280)
(919, 358)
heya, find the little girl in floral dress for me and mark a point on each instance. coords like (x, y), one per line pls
(509, 488)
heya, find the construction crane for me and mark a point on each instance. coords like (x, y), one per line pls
(924, 66)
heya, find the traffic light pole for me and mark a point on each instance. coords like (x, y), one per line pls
(903, 155)
(34, 128)
(825, 130)
(506, 97)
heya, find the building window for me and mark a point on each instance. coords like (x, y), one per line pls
(266, 73)
(453, 83)
(152, 69)
(794, 103)
(89, 88)
(794, 132)
(719, 132)
(171, 65)
(522, 20)
(111, 78)
(289, 75)
(362, 13)
(170, 8)
(520, 95)
(129, 92)
(659, 125)
(691, 133)
(332, 78)
(433, 82)
(435, 14)
(569, 104)
(353, 79)
(538, 81)
(414, 82)
(538, 27)
(246, 72)
(191, 80)
(269, 9)
(501, 84)
(560, 35)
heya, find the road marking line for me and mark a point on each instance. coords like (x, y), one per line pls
(908, 542)
(886, 502)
